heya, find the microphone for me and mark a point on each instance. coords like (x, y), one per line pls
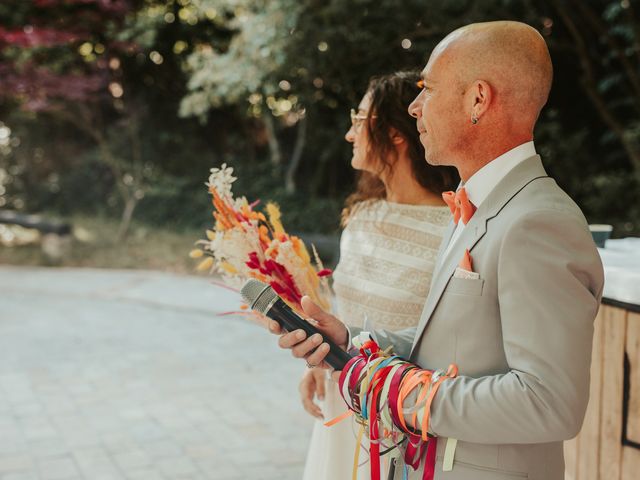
(263, 299)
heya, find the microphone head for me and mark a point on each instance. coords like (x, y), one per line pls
(258, 295)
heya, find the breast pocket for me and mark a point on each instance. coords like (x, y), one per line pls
(465, 286)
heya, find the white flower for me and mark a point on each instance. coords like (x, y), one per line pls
(221, 179)
(234, 246)
(215, 244)
(240, 202)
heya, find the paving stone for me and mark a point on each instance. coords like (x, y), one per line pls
(204, 451)
(213, 469)
(52, 447)
(132, 460)
(172, 467)
(19, 476)
(15, 463)
(144, 474)
(127, 375)
(104, 475)
(162, 448)
(9, 447)
(119, 442)
(63, 468)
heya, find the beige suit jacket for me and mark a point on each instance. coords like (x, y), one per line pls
(521, 334)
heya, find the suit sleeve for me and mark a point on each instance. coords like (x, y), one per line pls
(401, 340)
(550, 282)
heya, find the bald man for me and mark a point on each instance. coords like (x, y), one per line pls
(517, 315)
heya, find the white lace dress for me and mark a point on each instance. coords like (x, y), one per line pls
(387, 256)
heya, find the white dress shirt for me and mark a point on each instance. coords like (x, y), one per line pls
(480, 185)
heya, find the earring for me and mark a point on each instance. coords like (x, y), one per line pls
(474, 120)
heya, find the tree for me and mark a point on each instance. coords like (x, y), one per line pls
(247, 70)
(68, 67)
(326, 51)
(267, 86)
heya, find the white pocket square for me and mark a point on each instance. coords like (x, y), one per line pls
(466, 274)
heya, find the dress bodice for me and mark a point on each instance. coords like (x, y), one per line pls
(387, 257)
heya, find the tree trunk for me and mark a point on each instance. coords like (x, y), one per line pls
(301, 140)
(318, 179)
(127, 214)
(274, 145)
(128, 193)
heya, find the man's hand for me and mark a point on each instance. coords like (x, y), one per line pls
(312, 349)
(313, 384)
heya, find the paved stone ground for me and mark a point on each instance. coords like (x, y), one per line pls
(113, 375)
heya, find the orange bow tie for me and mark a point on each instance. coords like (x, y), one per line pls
(460, 205)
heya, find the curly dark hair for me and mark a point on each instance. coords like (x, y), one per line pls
(391, 96)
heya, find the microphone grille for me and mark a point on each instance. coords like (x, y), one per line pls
(258, 295)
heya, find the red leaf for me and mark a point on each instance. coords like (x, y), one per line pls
(37, 37)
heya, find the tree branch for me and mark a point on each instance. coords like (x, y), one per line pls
(631, 13)
(592, 18)
(589, 84)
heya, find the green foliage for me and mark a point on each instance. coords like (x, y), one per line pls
(242, 74)
(301, 212)
(249, 65)
(176, 203)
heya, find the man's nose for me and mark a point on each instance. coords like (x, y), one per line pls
(415, 107)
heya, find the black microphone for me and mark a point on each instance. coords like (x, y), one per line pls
(263, 299)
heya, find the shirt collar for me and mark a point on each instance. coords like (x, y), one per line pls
(484, 180)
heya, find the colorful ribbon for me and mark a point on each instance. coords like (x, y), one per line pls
(376, 386)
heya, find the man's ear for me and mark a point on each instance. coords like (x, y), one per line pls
(482, 95)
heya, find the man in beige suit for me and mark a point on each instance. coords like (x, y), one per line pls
(520, 324)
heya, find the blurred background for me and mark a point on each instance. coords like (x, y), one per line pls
(112, 112)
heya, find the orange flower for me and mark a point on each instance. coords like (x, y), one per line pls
(300, 249)
(258, 276)
(224, 210)
(263, 231)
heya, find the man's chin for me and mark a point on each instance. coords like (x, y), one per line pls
(431, 159)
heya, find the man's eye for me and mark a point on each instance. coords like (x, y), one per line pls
(420, 84)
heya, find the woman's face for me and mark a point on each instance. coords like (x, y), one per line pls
(357, 136)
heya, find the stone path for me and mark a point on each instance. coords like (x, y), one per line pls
(112, 375)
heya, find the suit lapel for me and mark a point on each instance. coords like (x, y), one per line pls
(443, 246)
(518, 178)
(472, 233)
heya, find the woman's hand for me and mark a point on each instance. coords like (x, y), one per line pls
(312, 349)
(312, 384)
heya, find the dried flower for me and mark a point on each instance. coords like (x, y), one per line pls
(205, 264)
(244, 245)
(273, 211)
(221, 180)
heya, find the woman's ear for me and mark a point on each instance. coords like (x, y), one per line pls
(395, 136)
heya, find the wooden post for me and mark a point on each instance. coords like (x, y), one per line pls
(615, 327)
(631, 454)
(587, 457)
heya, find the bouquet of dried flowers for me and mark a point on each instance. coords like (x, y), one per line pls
(245, 243)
